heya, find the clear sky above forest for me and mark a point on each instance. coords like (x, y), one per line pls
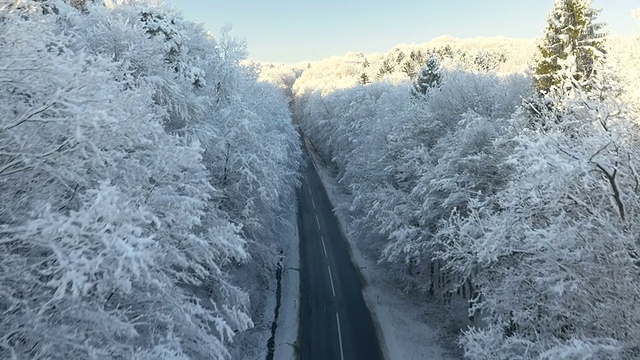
(292, 31)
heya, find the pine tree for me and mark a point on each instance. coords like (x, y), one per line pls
(572, 44)
(364, 79)
(430, 77)
(399, 56)
(387, 67)
(409, 68)
(416, 56)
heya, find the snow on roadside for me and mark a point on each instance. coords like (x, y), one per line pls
(287, 332)
(408, 329)
(258, 279)
(252, 343)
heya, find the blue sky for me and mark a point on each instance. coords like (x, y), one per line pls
(300, 30)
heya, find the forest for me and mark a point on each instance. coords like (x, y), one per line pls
(513, 184)
(141, 168)
(148, 172)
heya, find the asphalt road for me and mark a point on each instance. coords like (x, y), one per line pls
(335, 322)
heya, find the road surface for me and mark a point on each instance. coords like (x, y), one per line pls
(335, 322)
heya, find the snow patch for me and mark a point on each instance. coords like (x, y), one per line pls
(287, 333)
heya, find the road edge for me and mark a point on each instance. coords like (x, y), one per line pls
(286, 338)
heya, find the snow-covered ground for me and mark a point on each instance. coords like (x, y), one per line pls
(409, 329)
(261, 285)
(287, 331)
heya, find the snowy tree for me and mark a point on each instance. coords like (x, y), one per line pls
(428, 78)
(485, 61)
(155, 48)
(105, 215)
(558, 236)
(408, 174)
(387, 67)
(573, 42)
(249, 187)
(416, 56)
(364, 79)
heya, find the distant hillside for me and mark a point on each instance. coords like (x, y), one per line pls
(400, 64)
(500, 55)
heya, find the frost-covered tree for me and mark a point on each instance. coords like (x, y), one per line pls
(364, 79)
(112, 244)
(572, 44)
(99, 214)
(407, 174)
(486, 61)
(387, 67)
(409, 68)
(156, 48)
(429, 77)
(553, 253)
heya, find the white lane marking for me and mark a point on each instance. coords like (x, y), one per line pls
(333, 290)
(308, 188)
(323, 247)
(314, 204)
(318, 221)
(339, 336)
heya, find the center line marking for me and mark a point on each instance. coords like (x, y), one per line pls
(339, 336)
(314, 204)
(318, 221)
(333, 290)
(323, 247)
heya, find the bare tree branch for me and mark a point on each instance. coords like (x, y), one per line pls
(614, 186)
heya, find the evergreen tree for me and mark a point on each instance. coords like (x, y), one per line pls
(430, 77)
(364, 79)
(386, 68)
(572, 44)
(416, 56)
(444, 52)
(399, 56)
(409, 68)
